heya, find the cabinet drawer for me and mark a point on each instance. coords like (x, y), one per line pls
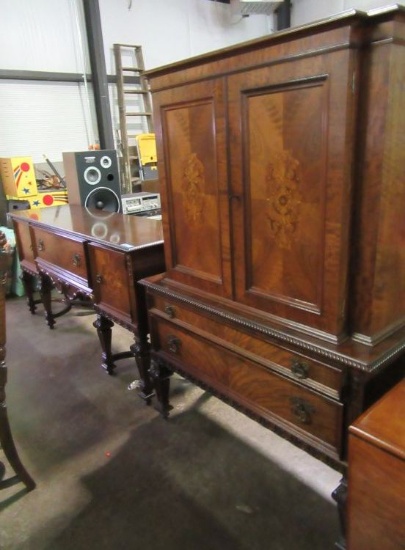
(65, 253)
(303, 413)
(309, 372)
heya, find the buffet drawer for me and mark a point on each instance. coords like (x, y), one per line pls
(64, 252)
(297, 366)
(312, 417)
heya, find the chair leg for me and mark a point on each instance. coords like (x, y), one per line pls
(10, 451)
(7, 442)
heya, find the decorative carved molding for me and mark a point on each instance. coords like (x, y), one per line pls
(280, 336)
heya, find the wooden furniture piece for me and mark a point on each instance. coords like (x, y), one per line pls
(376, 481)
(281, 165)
(99, 255)
(6, 437)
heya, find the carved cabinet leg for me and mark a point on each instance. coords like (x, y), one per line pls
(141, 351)
(45, 290)
(104, 331)
(339, 495)
(161, 381)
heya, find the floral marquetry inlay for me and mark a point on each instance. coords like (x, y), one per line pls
(193, 186)
(284, 198)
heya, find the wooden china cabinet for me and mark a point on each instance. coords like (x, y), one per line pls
(281, 164)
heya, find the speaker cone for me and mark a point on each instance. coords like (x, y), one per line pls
(92, 175)
(103, 200)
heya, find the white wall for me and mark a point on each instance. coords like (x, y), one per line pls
(48, 35)
(170, 30)
(41, 35)
(44, 118)
(307, 11)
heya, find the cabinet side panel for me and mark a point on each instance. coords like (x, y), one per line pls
(380, 255)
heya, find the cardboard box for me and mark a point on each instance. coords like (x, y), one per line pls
(47, 198)
(18, 177)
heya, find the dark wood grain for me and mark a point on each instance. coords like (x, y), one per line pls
(376, 497)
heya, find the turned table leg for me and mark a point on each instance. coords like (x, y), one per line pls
(161, 381)
(45, 290)
(141, 352)
(29, 283)
(104, 332)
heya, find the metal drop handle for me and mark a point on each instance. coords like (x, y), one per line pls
(170, 311)
(302, 410)
(299, 368)
(77, 260)
(173, 343)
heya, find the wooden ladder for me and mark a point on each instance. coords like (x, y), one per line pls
(134, 106)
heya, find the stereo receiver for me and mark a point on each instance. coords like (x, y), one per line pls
(141, 204)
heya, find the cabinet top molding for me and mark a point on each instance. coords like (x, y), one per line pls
(353, 18)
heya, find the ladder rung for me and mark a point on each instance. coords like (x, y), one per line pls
(135, 91)
(146, 113)
(132, 69)
(131, 46)
(131, 82)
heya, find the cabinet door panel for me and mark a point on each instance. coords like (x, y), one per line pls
(24, 244)
(194, 185)
(291, 168)
(111, 283)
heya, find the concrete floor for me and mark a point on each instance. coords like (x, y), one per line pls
(112, 474)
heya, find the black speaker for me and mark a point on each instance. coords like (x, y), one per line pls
(92, 179)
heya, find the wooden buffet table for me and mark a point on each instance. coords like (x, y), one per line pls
(98, 256)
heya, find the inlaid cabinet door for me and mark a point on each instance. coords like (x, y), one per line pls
(292, 128)
(112, 283)
(193, 176)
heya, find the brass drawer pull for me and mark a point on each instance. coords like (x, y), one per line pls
(41, 245)
(99, 278)
(302, 410)
(173, 343)
(170, 311)
(299, 369)
(77, 260)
